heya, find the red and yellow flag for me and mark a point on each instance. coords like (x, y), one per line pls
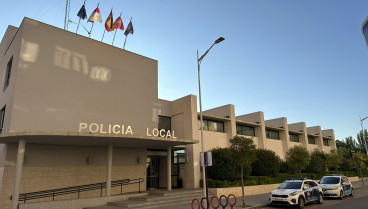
(109, 24)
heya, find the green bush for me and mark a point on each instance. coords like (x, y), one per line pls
(223, 167)
(285, 167)
(317, 163)
(267, 163)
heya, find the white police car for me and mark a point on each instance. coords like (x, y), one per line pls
(296, 192)
(336, 185)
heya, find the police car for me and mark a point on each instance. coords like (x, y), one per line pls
(296, 192)
(336, 185)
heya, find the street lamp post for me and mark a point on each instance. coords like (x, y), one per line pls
(363, 139)
(199, 60)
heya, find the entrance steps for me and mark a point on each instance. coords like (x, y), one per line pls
(156, 199)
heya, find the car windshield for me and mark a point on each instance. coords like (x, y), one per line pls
(291, 185)
(330, 180)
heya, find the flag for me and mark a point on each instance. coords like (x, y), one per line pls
(109, 26)
(95, 16)
(82, 13)
(118, 24)
(129, 29)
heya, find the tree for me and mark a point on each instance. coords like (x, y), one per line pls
(267, 163)
(223, 166)
(243, 150)
(318, 162)
(334, 159)
(361, 141)
(359, 161)
(298, 158)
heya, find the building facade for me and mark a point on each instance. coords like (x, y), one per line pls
(76, 111)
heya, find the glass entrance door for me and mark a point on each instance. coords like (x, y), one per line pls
(153, 172)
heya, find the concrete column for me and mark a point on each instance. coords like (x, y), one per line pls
(108, 172)
(18, 173)
(169, 169)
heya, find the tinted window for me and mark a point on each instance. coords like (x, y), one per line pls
(294, 137)
(2, 118)
(245, 130)
(290, 185)
(164, 123)
(270, 134)
(210, 125)
(311, 140)
(330, 180)
(8, 73)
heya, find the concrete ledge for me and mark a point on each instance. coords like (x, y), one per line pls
(78, 203)
(248, 190)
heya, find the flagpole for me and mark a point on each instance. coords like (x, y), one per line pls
(80, 17)
(103, 35)
(93, 23)
(115, 33)
(127, 34)
(112, 21)
(78, 25)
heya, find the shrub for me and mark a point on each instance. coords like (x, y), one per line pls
(317, 163)
(267, 163)
(223, 167)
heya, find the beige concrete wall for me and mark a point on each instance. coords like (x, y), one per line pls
(9, 47)
(45, 178)
(72, 79)
(301, 127)
(331, 134)
(50, 167)
(78, 203)
(184, 121)
(260, 131)
(316, 130)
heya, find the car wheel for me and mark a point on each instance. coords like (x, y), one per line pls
(301, 203)
(320, 198)
(341, 195)
(352, 192)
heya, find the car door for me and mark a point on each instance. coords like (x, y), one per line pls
(315, 191)
(307, 192)
(346, 185)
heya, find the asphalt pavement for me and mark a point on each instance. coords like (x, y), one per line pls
(261, 201)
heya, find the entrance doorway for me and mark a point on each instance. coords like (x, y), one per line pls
(153, 171)
(157, 169)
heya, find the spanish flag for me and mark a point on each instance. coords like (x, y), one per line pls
(109, 24)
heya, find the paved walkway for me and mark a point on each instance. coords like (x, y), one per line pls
(253, 201)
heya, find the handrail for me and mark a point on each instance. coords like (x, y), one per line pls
(78, 189)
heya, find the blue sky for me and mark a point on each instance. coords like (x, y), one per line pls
(304, 60)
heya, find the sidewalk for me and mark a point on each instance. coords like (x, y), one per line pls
(255, 201)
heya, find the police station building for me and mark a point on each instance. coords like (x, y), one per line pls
(75, 111)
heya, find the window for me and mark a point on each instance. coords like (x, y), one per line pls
(270, 134)
(294, 137)
(325, 142)
(179, 157)
(8, 73)
(2, 117)
(164, 123)
(245, 130)
(209, 125)
(311, 140)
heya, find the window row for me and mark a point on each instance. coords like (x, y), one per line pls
(210, 125)
(8, 73)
